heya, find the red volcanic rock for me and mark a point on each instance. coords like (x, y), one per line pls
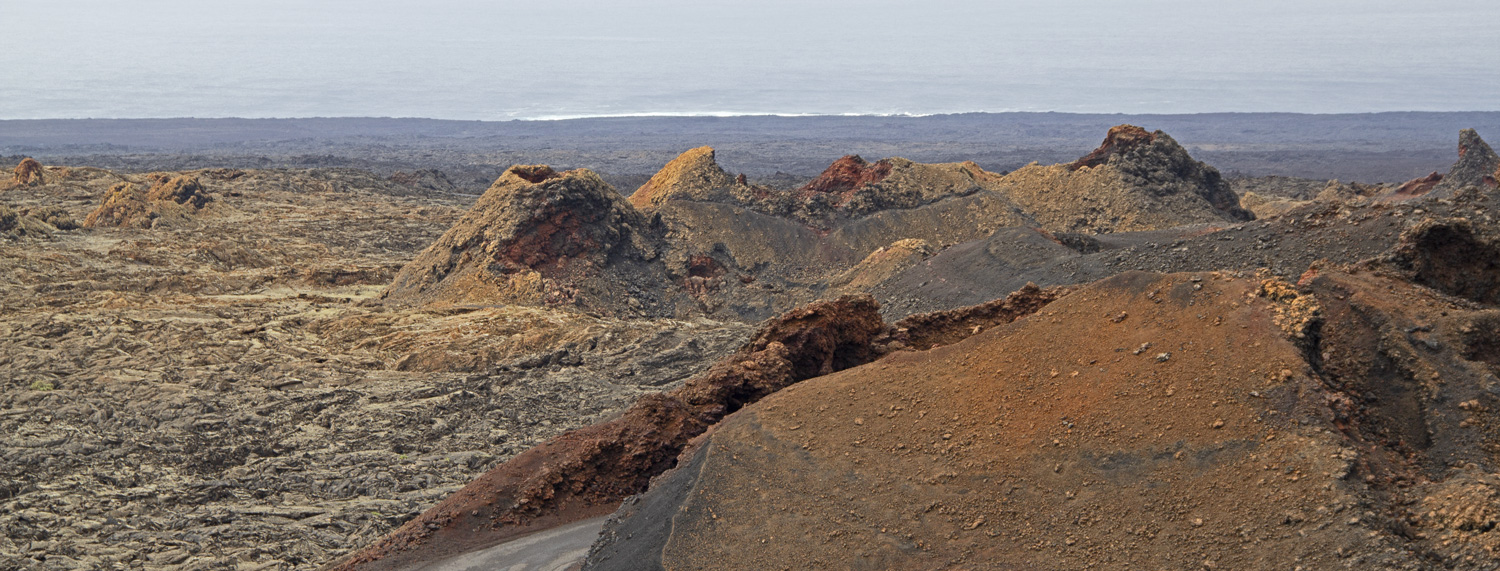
(28, 173)
(1120, 139)
(924, 331)
(1416, 187)
(848, 174)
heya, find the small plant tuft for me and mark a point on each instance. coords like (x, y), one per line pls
(42, 386)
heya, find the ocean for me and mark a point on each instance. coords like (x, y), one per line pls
(469, 59)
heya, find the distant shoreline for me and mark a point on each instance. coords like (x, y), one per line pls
(1366, 147)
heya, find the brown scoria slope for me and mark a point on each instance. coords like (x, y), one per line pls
(1135, 180)
(543, 238)
(1185, 421)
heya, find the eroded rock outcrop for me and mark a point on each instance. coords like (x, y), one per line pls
(539, 237)
(1449, 256)
(1135, 180)
(28, 173)
(1119, 140)
(846, 175)
(1477, 165)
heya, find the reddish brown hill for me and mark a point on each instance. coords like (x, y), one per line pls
(170, 199)
(538, 237)
(1145, 421)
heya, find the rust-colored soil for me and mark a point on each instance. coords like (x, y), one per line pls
(1186, 421)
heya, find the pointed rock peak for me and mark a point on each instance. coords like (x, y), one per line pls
(1469, 141)
(1119, 140)
(28, 173)
(694, 175)
(1477, 165)
(533, 174)
(849, 173)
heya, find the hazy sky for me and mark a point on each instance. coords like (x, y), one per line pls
(469, 59)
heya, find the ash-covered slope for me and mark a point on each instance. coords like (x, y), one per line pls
(1144, 421)
(1135, 180)
(539, 237)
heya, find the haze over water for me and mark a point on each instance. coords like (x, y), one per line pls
(470, 59)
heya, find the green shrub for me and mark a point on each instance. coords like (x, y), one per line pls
(42, 386)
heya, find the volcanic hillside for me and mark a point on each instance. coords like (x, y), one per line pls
(1135, 180)
(538, 237)
(1148, 420)
(1198, 417)
(694, 240)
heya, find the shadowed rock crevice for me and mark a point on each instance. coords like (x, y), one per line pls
(1447, 255)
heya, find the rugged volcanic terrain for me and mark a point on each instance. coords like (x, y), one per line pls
(895, 365)
(217, 393)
